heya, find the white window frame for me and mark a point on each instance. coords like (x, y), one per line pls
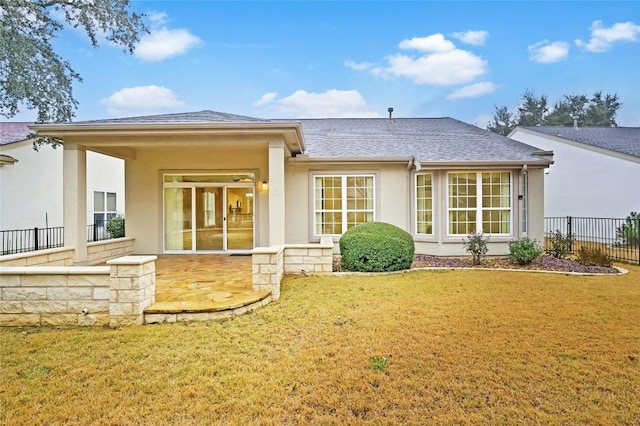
(105, 212)
(344, 210)
(417, 204)
(479, 209)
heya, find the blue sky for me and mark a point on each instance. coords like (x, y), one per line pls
(356, 59)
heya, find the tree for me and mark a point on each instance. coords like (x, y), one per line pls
(533, 110)
(599, 110)
(31, 73)
(503, 121)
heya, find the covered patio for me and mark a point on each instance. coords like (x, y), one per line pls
(203, 287)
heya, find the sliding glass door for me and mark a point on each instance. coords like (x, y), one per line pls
(205, 216)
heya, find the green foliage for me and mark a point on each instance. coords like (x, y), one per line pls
(560, 244)
(477, 246)
(376, 247)
(524, 250)
(629, 232)
(379, 363)
(33, 74)
(593, 256)
(115, 227)
(598, 110)
(503, 121)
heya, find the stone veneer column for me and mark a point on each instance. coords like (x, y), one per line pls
(132, 289)
(268, 268)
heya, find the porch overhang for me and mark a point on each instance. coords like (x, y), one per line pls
(121, 139)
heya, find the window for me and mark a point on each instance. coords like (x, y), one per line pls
(104, 207)
(479, 201)
(341, 202)
(424, 204)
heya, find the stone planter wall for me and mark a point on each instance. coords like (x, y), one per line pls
(62, 256)
(112, 295)
(101, 251)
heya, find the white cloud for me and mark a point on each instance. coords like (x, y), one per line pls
(439, 63)
(476, 38)
(603, 38)
(332, 103)
(548, 52)
(162, 42)
(141, 100)
(358, 66)
(473, 90)
(440, 69)
(433, 43)
(267, 98)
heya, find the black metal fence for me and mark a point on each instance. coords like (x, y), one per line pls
(619, 238)
(24, 240)
(99, 231)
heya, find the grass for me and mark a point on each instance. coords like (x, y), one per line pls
(451, 347)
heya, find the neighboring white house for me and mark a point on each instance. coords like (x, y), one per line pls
(596, 170)
(31, 182)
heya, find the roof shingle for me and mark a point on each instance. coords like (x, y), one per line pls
(625, 140)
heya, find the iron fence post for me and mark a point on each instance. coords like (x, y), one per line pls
(569, 234)
(95, 232)
(35, 238)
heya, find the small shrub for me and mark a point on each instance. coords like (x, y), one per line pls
(376, 247)
(629, 232)
(476, 245)
(560, 244)
(593, 257)
(115, 227)
(524, 250)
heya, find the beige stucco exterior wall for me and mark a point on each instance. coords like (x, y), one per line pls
(143, 186)
(395, 204)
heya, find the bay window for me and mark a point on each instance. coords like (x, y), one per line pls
(479, 202)
(424, 204)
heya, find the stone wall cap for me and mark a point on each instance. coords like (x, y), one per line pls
(110, 241)
(54, 270)
(267, 250)
(132, 260)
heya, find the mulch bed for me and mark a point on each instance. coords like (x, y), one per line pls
(542, 263)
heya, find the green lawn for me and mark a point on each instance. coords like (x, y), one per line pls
(449, 347)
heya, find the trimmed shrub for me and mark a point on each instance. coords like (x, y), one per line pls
(524, 250)
(376, 247)
(115, 227)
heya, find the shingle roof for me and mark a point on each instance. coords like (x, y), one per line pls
(11, 132)
(427, 139)
(206, 116)
(625, 140)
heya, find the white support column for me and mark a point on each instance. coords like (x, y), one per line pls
(75, 200)
(276, 193)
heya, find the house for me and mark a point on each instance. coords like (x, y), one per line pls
(31, 183)
(596, 169)
(216, 182)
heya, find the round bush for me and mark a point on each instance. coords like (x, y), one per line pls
(376, 247)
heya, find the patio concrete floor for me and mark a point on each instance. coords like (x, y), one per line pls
(197, 283)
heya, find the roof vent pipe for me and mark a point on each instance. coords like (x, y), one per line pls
(390, 109)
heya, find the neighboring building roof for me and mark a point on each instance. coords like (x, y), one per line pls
(426, 139)
(625, 140)
(11, 132)
(7, 159)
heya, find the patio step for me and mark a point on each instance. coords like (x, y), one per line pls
(181, 311)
